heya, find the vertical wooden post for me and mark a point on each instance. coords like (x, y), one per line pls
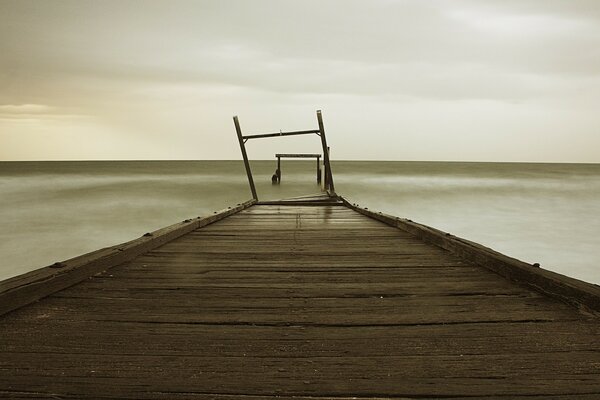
(324, 176)
(245, 156)
(279, 169)
(319, 170)
(327, 166)
(328, 176)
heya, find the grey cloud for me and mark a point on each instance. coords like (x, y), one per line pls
(130, 37)
(133, 63)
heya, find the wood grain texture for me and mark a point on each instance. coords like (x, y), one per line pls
(303, 302)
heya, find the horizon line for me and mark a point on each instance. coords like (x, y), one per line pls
(293, 160)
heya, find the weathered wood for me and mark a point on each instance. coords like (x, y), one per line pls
(323, 199)
(570, 290)
(277, 134)
(307, 197)
(286, 155)
(238, 130)
(329, 186)
(297, 155)
(278, 171)
(26, 288)
(277, 177)
(299, 203)
(303, 302)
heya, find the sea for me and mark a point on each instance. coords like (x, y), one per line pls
(539, 213)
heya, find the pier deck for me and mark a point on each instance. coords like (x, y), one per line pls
(298, 301)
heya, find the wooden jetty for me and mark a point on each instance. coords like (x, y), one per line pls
(315, 300)
(307, 298)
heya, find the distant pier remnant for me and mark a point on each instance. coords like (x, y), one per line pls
(286, 155)
(328, 184)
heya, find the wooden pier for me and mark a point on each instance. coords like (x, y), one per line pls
(309, 298)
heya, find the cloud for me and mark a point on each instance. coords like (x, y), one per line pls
(38, 113)
(27, 112)
(188, 38)
(25, 109)
(156, 67)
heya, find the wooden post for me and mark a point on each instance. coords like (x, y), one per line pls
(318, 170)
(278, 170)
(328, 176)
(328, 165)
(324, 175)
(245, 156)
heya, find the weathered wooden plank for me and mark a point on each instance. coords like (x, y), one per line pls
(194, 286)
(343, 311)
(298, 302)
(350, 262)
(390, 375)
(304, 203)
(220, 396)
(299, 341)
(298, 155)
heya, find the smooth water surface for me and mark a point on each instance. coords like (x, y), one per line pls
(546, 213)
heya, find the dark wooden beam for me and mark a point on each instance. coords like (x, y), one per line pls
(302, 203)
(238, 129)
(328, 175)
(278, 172)
(319, 170)
(276, 134)
(290, 155)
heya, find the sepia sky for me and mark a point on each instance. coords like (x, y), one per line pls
(495, 80)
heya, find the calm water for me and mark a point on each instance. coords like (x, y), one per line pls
(546, 213)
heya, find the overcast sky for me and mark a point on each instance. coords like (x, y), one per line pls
(396, 80)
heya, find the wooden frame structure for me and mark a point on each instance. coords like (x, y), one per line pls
(329, 186)
(286, 155)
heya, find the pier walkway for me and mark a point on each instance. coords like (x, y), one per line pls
(298, 301)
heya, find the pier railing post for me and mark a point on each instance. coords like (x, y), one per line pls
(278, 172)
(319, 170)
(246, 162)
(328, 176)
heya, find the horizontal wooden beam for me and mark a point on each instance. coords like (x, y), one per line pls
(267, 135)
(29, 287)
(570, 290)
(299, 203)
(298, 155)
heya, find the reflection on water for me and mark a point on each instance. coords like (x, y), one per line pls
(546, 213)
